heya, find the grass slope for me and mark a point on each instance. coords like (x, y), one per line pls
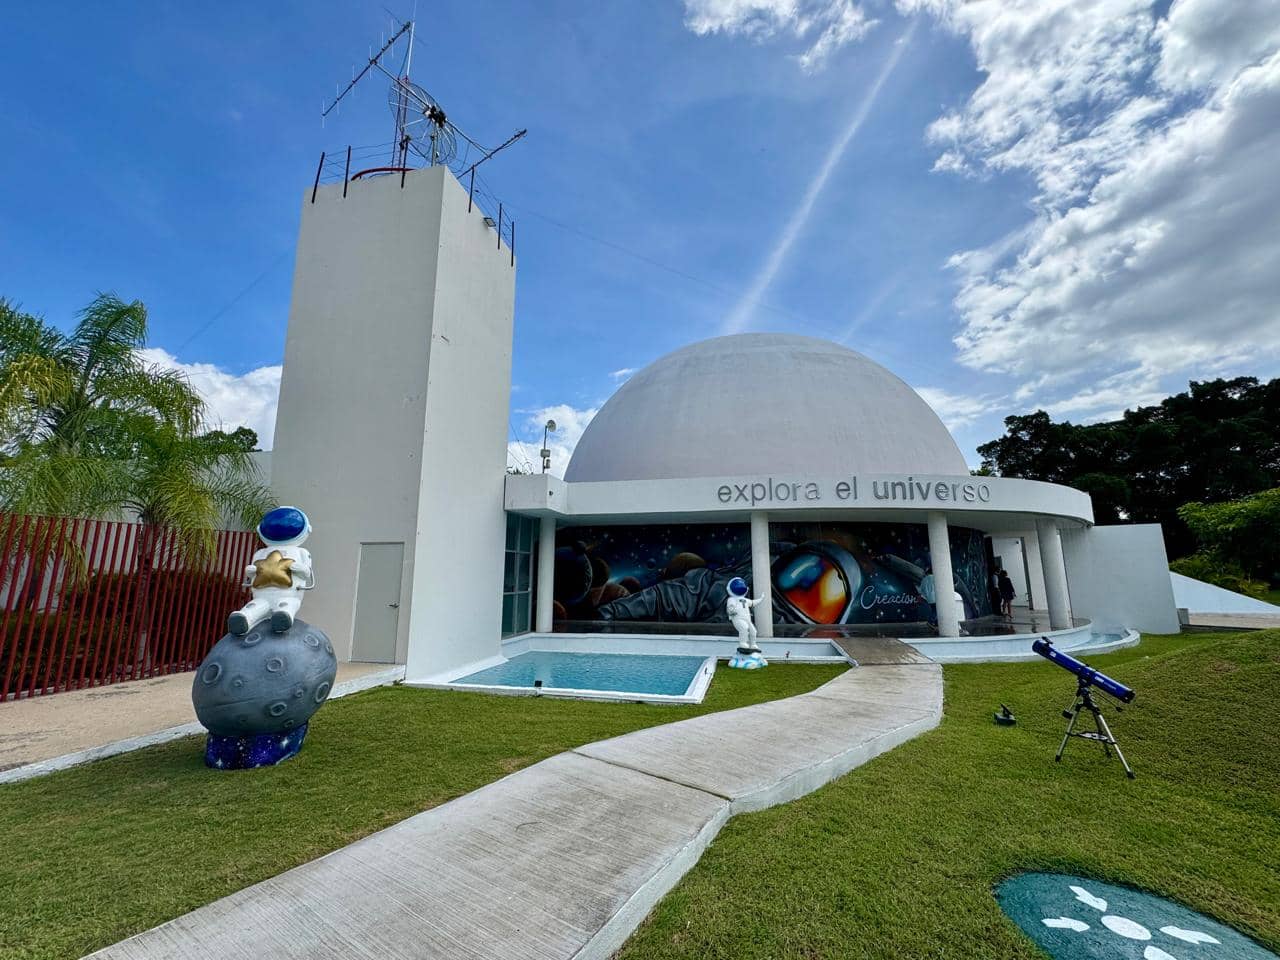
(94, 854)
(898, 858)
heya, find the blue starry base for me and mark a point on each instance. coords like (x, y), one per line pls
(748, 661)
(246, 753)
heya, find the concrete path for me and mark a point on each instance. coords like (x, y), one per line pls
(1234, 621)
(59, 730)
(878, 651)
(565, 858)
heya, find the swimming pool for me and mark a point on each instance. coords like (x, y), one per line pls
(613, 676)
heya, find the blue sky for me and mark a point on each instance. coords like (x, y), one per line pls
(1011, 205)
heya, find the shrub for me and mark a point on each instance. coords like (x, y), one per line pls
(1220, 573)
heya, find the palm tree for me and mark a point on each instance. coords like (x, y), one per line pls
(68, 400)
(87, 428)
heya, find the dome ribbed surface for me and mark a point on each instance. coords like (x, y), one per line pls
(761, 404)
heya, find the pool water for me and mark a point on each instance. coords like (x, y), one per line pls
(619, 672)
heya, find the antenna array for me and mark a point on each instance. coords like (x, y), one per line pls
(421, 126)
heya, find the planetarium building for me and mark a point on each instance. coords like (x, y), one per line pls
(828, 484)
(804, 468)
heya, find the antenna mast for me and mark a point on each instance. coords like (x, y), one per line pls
(373, 61)
(421, 126)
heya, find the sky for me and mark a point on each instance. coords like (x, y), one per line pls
(1068, 205)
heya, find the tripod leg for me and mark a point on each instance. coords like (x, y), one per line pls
(1075, 712)
(1101, 726)
(1123, 762)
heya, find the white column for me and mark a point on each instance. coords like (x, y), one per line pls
(943, 579)
(1035, 571)
(546, 574)
(761, 576)
(1055, 574)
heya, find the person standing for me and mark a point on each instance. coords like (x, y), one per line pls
(1007, 593)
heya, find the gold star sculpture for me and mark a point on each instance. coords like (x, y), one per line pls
(273, 571)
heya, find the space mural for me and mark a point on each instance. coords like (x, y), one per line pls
(822, 573)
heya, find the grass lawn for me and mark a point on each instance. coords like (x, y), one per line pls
(91, 855)
(898, 858)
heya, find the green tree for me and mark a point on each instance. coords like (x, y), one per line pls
(1220, 440)
(240, 440)
(68, 400)
(1245, 532)
(1211, 568)
(87, 428)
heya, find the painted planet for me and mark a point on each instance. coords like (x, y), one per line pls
(1073, 918)
(264, 682)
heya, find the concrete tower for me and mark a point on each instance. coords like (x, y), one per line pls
(392, 425)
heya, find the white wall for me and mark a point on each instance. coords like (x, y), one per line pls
(461, 536)
(385, 278)
(261, 460)
(1035, 572)
(1196, 596)
(1008, 550)
(1118, 576)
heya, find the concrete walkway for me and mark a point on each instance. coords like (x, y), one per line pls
(565, 858)
(1234, 621)
(59, 730)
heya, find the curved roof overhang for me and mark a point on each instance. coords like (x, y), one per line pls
(991, 504)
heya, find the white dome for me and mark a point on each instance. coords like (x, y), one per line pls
(761, 404)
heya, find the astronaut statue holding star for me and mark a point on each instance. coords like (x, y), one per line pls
(279, 572)
(256, 690)
(738, 606)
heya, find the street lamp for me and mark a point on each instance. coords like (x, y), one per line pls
(550, 427)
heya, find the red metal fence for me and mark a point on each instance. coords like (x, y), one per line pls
(91, 602)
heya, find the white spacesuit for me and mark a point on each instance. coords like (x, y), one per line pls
(739, 607)
(278, 574)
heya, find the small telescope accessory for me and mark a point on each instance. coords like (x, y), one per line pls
(1004, 717)
(1086, 679)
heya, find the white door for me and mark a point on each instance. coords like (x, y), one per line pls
(378, 602)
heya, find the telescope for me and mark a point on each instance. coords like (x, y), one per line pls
(1087, 679)
(1086, 673)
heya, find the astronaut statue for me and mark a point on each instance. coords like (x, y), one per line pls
(739, 606)
(257, 688)
(279, 572)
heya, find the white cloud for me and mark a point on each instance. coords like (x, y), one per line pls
(956, 409)
(570, 421)
(622, 374)
(752, 18)
(845, 22)
(825, 25)
(245, 400)
(1152, 250)
(1150, 253)
(1047, 64)
(1110, 397)
(1207, 42)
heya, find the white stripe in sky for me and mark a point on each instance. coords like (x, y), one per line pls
(872, 306)
(745, 309)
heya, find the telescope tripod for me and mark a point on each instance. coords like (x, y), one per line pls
(1101, 734)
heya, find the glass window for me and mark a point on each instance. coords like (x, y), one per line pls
(517, 579)
(508, 614)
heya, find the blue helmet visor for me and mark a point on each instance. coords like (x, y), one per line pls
(283, 523)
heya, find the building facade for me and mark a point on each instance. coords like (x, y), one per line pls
(814, 473)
